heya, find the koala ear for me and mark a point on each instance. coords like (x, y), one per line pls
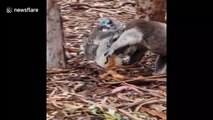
(123, 27)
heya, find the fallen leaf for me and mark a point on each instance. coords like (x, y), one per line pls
(126, 87)
(116, 75)
(158, 107)
(154, 113)
(72, 49)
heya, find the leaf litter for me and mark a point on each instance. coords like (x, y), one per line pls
(84, 91)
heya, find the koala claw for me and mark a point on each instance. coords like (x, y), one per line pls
(108, 53)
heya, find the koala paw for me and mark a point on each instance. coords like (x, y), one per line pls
(108, 53)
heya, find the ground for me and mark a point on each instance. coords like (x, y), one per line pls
(83, 91)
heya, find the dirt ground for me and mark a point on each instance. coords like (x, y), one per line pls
(84, 91)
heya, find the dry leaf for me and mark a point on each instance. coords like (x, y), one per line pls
(116, 75)
(154, 113)
(158, 107)
(72, 49)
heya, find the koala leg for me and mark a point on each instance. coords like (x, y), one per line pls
(137, 55)
(129, 37)
(160, 65)
(90, 51)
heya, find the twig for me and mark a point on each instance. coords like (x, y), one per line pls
(146, 102)
(105, 10)
(126, 3)
(124, 98)
(161, 78)
(156, 95)
(124, 67)
(53, 92)
(151, 92)
(87, 5)
(98, 6)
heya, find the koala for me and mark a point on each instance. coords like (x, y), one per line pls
(140, 36)
(107, 29)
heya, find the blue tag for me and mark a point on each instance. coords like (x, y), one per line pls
(104, 22)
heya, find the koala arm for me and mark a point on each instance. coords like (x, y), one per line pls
(129, 37)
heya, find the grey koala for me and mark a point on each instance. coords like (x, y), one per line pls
(140, 36)
(107, 29)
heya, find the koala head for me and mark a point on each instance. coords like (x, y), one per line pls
(106, 23)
